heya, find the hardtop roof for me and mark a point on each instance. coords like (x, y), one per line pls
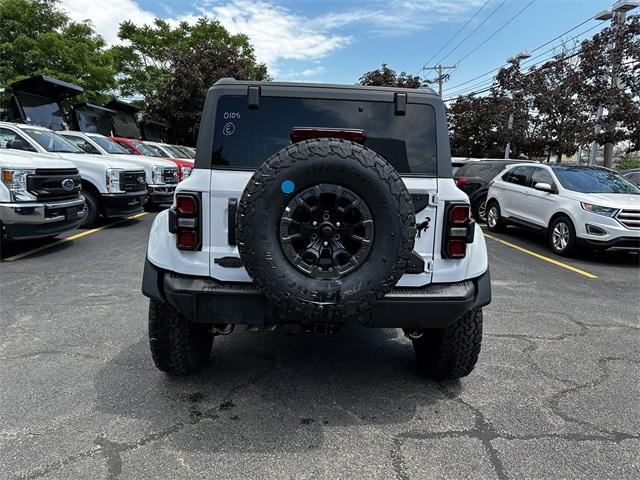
(264, 83)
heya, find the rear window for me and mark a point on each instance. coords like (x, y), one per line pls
(477, 170)
(244, 138)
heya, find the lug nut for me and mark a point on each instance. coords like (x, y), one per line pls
(315, 224)
(338, 224)
(326, 244)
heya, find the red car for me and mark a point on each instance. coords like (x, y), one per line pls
(137, 147)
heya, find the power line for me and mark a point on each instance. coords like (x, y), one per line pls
(530, 59)
(473, 31)
(563, 34)
(499, 30)
(529, 72)
(458, 32)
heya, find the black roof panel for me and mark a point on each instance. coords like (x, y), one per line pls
(47, 87)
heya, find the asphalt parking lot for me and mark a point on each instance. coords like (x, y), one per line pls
(555, 394)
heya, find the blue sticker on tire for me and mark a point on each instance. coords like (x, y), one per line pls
(287, 187)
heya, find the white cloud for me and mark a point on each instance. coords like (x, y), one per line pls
(276, 32)
(106, 16)
(396, 17)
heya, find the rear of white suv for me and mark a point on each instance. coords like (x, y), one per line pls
(574, 205)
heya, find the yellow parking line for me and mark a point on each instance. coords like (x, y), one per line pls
(84, 233)
(542, 257)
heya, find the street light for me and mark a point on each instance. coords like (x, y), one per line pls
(519, 56)
(623, 6)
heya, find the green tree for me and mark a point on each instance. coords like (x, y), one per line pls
(146, 61)
(610, 72)
(478, 126)
(384, 76)
(36, 37)
(180, 100)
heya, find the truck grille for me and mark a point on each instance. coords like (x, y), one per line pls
(170, 175)
(54, 184)
(133, 181)
(629, 218)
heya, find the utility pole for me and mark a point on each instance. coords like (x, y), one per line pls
(617, 14)
(594, 144)
(442, 77)
(514, 60)
(507, 150)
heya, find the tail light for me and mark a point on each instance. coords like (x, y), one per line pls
(459, 230)
(460, 181)
(184, 221)
(298, 134)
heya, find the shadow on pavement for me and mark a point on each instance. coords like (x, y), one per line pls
(268, 391)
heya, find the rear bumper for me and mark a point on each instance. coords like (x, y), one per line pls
(204, 300)
(161, 194)
(123, 204)
(23, 221)
(631, 244)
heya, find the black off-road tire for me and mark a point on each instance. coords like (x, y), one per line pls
(178, 346)
(451, 352)
(334, 162)
(479, 213)
(1, 241)
(92, 210)
(499, 225)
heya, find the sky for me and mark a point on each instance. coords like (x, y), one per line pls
(337, 41)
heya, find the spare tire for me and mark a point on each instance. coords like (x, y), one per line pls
(325, 227)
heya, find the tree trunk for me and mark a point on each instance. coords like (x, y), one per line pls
(608, 154)
(559, 157)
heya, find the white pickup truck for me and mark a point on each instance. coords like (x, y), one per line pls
(39, 196)
(110, 186)
(162, 174)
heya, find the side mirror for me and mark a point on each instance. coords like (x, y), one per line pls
(19, 144)
(544, 187)
(88, 148)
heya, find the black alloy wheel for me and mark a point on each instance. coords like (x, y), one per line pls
(326, 231)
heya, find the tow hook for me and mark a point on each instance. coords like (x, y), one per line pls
(222, 329)
(414, 334)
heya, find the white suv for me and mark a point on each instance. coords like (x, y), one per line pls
(575, 205)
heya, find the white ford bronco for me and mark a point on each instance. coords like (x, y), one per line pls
(39, 196)
(311, 206)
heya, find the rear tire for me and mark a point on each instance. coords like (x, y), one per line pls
(178, 346)
(480, 210)
(451, 352)
(495, 223)
(562, 236)
(91, 208)
(1, 241)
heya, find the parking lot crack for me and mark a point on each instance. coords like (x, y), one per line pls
(397, 460)
(112, 451)
(554, 401)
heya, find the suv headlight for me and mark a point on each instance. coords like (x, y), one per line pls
(16, 182)
(113, 180)
(186, 171)
(158, 175)
(606, 211)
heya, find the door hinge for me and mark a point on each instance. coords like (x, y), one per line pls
(434, 198)
(428, 267)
